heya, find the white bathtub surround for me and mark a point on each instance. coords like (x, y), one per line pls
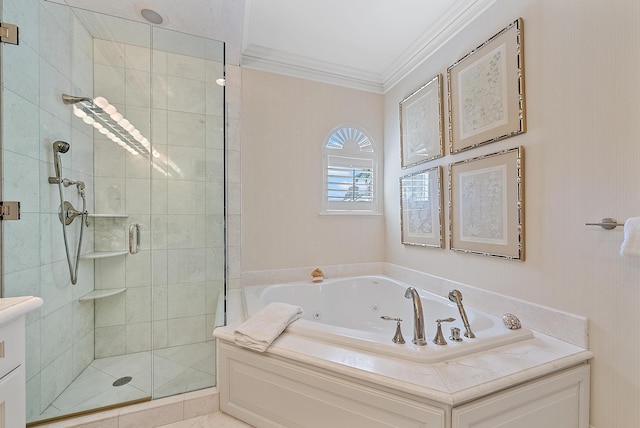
(441, 386)
(349, 311)
(451, 390)
(451, 382)
(562, 325)
(567, 327)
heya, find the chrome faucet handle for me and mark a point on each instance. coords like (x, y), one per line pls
(439, 339)
(397, 337)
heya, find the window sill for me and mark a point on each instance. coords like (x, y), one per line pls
(350, 213)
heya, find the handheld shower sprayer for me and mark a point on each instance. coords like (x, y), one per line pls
(58, 147)
(67, 213)
(456, 297)
(61, 146)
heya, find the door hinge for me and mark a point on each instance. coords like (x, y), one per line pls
(9, 210)
(8, 33)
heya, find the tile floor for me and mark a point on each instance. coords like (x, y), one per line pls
(197, 409)
(176, 370)
(214, 420)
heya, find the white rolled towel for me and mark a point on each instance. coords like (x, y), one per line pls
(631, 243)
(261, 329)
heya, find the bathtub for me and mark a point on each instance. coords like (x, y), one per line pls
(347, 311)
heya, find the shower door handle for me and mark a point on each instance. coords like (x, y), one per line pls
(134, 238)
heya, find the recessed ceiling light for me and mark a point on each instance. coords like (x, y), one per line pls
(152, 16)
(150, 13)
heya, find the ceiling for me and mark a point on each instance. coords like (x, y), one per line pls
(364, 44)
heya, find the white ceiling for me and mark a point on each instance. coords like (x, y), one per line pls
(215, 19)
(365, 44)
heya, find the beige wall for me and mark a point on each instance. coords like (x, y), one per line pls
(285, 123)
(582, 151)
(581, 156)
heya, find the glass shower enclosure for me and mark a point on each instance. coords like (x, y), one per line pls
(113, 141)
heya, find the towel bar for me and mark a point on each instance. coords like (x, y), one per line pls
(607, 223)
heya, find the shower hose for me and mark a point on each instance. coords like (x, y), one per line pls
(67, 215)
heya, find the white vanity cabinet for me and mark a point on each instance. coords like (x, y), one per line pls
(12, 359)
(275, 392)
(12, 375)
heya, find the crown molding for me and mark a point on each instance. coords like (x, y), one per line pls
(265, 59)
(449, 24)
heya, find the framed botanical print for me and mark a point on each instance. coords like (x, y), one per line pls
(486, 205)
(421, 208)
(486, 91)
(421, 124)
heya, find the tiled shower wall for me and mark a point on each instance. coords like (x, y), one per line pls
(178, 202)
(55, 56)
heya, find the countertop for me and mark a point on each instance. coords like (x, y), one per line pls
(12, 308)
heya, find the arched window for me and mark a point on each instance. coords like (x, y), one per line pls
(350, 172)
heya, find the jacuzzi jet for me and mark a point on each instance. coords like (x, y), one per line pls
(316, 315)
(122, 381)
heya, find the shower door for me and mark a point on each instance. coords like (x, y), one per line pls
(132, 157)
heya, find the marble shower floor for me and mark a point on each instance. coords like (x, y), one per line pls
(177, 370)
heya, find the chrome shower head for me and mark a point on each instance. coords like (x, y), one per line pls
(455, 296)
(61, 147)
(71, 99)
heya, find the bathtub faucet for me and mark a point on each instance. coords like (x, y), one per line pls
(418, 317)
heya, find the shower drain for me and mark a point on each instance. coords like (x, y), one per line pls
(122, 381)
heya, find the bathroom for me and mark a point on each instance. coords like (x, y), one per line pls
(582, 101)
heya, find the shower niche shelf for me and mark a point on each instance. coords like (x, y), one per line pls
(103, 254)
(100, 294)
(108, 215)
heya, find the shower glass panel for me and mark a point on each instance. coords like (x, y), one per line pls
(141, 138)
(187, 208)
